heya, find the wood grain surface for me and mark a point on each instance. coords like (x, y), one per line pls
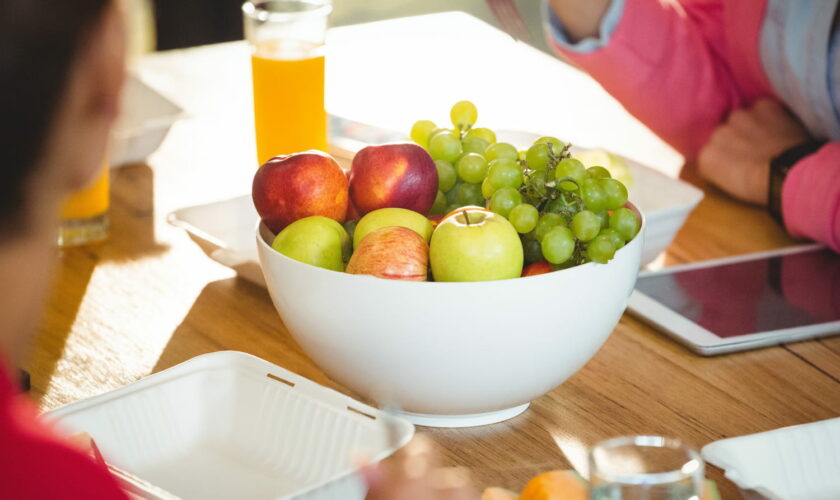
(149, 298)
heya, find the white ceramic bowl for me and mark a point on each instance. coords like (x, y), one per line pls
(451, 354)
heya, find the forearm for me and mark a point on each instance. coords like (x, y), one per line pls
(581, 18)
(658, 63)
(811, 197)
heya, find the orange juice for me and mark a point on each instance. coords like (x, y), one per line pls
(84, 215)
(289, 112)
(88, 202)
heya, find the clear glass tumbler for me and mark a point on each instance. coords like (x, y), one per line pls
(645, 468)
(287, 64)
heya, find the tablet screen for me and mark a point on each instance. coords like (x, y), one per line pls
(742, 298)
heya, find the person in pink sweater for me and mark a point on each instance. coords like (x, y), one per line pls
(746, 90)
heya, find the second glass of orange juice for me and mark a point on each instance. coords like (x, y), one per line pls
(287, 63)
(84, 215)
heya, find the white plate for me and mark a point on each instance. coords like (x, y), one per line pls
(230, 425)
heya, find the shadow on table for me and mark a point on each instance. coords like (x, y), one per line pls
(234, 314)
(132, 237)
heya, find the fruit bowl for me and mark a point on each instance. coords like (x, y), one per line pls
(451, 354)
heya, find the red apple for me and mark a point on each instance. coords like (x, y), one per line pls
(400, 175)
(288, 188)
(394, 253)
(536, 268)
(352, 213)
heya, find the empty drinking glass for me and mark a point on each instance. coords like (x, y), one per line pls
(645, 468)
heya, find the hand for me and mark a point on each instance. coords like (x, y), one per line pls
(414, 474)
(580, 18)
(737, 157)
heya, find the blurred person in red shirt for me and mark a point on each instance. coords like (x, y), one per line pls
(61, 74)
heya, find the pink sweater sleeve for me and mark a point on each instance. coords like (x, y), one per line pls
(664, 64)
(811, 197)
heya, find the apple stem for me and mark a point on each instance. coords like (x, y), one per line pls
(467, 217)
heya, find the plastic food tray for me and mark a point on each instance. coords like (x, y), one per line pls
(230, 425)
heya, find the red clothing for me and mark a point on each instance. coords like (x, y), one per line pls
(36, 463)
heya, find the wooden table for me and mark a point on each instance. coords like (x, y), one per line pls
(149, 298)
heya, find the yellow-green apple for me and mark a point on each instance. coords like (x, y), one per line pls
(315, 240)
(385, 217)
(291, 187)
(394, 253)
(401, 175)
(475, 245)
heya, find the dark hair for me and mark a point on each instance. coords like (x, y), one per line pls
(38, 43)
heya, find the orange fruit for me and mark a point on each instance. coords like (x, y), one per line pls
(556, 485)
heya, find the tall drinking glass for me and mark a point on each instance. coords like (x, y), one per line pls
(84, 216)
(287, 64)
(645, 468)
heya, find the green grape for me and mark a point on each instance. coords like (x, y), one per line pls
(600, 249)
(439, 207)
(558, 245)
(593, 195)
(546, 223)
(505, 173)
(522, 155)
(524, 217)
(531, 249)
(504, 200)
(452, 193)
(452, 207)
(556, 144)
(435, 131)
(499, 150)
(469, 194)
(421, 130)
(613, 235)
(598, 172)
(446, 175)
(487, 188)
(615, 192)
(482, 133)
(573, 169)
(445, 146)
(603, 218)
(537, 156)
(474, 145)
(625, 223)
(472, 168)
(585, 225)
(463, 114)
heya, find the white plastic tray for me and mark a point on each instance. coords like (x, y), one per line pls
(230, 425)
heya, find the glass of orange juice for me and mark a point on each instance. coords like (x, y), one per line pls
(287, 64)
(84, 216)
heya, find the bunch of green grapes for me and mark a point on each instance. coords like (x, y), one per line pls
(565, 213)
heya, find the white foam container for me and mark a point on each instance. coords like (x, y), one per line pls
(145, 119)
(230, 425)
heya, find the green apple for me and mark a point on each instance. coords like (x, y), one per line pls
(386, 217)
(475, 245)
(316, 240)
